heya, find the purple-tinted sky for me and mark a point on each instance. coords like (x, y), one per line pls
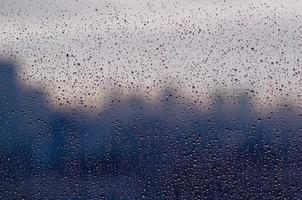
(94, 48)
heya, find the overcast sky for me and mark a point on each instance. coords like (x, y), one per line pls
(94, 48)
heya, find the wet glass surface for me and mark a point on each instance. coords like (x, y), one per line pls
(150, 100)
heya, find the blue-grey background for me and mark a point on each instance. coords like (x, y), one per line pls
(150, 99)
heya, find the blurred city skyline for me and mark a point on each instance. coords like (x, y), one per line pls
(134, 150)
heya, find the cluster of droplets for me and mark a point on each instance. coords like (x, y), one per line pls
(81, 52)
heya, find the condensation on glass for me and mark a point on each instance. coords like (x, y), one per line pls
(140, 99)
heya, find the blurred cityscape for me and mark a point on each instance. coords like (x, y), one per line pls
(134, 150)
